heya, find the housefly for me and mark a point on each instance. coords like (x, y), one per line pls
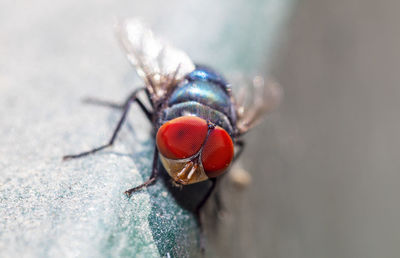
(197, 121)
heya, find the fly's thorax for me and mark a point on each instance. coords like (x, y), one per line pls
(205, 73)
(194, 108)
(205, 92)
(207, 88)
(193, 149)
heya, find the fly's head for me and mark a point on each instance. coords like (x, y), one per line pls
(193, 150)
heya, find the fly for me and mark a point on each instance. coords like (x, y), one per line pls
(197, 120)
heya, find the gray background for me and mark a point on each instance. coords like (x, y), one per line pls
(326, 181)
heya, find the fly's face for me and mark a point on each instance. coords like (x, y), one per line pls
(193, 150)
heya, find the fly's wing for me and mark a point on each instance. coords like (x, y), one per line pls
(160, 65)
(266, 95)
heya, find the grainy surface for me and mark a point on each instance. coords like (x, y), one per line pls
(326, 167)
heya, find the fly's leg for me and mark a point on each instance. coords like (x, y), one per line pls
(131, 99)
(198, 212)
(151, 180)
(114, 105)
(240, 144)
(100, 102)
(204, 200)
(219, 206)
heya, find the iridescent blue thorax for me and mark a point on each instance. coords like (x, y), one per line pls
(203, 73)
(203, 93)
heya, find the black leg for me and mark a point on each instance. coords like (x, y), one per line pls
(204, 200)
(132, 98)
(114, 105)
(219, 206)
(152, 179)
(241, 144)
(198, 213)
(100, 102)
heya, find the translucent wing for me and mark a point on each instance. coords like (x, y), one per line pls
(266, 95)
(160, 65)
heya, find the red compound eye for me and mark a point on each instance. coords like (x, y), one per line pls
(217, 152)
(181, 137)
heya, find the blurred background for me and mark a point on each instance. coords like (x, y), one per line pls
(327, 181)
(325, 166)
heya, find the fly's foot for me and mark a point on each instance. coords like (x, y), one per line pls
(129, 192)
